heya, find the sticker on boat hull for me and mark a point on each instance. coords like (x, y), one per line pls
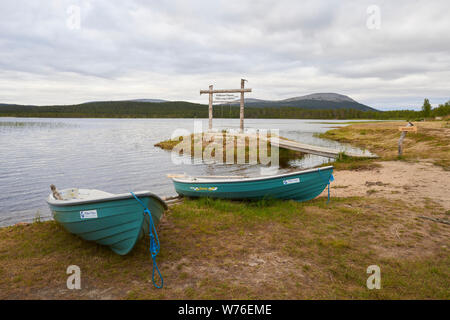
(289, 181)
(203, 188)
(89, 214)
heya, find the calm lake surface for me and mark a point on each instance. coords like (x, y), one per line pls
(114, 155)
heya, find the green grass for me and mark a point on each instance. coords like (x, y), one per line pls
(430, 142)
(217, 249)
(352, 122)
(344, 162)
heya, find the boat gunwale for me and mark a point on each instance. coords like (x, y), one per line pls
(114, 197)
(243, 180)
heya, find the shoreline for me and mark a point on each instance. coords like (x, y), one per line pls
(244, 250)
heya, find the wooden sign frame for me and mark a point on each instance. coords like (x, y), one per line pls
(211, 92)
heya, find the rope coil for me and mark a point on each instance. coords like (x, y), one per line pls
(154, 243)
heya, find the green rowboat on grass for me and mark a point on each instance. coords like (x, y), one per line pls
(300, 186)
(114, 220)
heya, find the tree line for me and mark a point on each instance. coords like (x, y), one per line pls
(181, 109)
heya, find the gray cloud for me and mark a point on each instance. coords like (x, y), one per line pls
(171, 49)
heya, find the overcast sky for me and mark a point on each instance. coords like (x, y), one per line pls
(387, 54)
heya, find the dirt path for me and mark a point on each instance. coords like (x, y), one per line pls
(420, 183)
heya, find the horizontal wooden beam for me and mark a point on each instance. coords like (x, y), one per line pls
(226, 91)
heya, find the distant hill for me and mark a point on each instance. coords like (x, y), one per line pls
(315, 101)
(327, 101)
(315, 106)
(134, 100)
(150, 100)
(334, 97)
(110, 109)
(318, 105)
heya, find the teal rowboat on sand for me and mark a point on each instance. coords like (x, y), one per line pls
(300, 186)
(114, 220)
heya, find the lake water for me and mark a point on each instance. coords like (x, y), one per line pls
(114, 155)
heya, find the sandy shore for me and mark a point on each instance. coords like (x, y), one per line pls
(419, 183)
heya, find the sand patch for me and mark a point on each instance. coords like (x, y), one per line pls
(422, 183)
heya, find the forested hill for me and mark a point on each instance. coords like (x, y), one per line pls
(134, 109)
(157, 108)
(181, 109)
(112, 109)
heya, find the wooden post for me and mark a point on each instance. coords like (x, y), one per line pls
(241, 112)
(210, 107)
(400, 141)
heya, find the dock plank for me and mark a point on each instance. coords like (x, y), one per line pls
(303, 147)
(320, 151)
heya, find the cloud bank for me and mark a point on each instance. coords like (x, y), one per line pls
(64, 52)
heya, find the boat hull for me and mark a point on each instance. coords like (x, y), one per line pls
(118, 223)
(300, 186)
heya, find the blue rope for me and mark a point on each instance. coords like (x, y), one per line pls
(328, 183)
(154, 245)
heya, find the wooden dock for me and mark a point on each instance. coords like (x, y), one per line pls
(320, 151)
(306, 148)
